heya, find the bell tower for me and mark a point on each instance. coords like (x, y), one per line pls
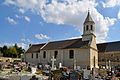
(89, 28)
(89, 35)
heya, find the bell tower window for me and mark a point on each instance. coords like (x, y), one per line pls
(87, 27)
(91, 27)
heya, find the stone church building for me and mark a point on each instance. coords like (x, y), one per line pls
(81, 51)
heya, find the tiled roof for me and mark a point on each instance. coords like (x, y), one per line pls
(109, 47)
(34, 48)
(74, 43)
(64, 44)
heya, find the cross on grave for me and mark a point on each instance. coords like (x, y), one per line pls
(75, 67)
(53, 62)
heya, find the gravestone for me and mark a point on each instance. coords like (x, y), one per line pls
(75, 66)
(60, 65)
(95, 72)
(78, 68)
(86, 74)
(74, 75)
(33, 70)
(53, 63)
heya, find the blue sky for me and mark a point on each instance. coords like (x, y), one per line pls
(38, 21)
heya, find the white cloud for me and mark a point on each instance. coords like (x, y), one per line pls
(41, 23)
(27, 41)
(11, 20)
(71, 12)
(27, 18)
(17, 16)
(23, 45)
(23, 40)
(7, 2)
(111, 3)
(7, 44)
(21, 11)
(119, 14)
(41, 36)
(74, 13)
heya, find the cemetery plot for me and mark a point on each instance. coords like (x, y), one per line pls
(74, 75)
(57, 74)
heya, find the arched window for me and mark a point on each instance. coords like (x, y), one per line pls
(71, 54)
(36, 55)
(87, 27)
(32, 55)
(44, 54)
(55, 54)
(91, 27)
(94, 61)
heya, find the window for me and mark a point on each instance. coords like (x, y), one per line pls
(36, 55)
(55, 54)
(32, 55)
(44, 54)
(94, 61)
(87, 28)
(91, 27)
(71, 54)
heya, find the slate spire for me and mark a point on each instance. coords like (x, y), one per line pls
(88, 18)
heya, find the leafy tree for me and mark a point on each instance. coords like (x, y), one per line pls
(13, 52)
(0, 50)
(19, 50)
(5, 51)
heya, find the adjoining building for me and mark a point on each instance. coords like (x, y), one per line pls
(109, 54)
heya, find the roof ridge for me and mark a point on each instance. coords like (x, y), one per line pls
(44, 45)
(65, 40)
(108, 42)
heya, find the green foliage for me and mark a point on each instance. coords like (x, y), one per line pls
(12, 51)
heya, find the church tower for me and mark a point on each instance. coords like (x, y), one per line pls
(89, 28)
(89, 35)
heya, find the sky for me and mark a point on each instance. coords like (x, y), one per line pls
(39, 21)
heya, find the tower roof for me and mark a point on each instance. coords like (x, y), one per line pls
(88, 18)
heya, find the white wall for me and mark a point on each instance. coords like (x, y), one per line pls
(82, 57)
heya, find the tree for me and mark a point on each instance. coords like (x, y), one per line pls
(5, 51)
(0, 51)
(19, 50)
(13, 52)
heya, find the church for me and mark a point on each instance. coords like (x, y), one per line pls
(82, 52)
